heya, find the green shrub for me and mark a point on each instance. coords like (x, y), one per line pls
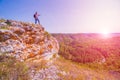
(2, 20)
(8, 22)
(47, 34)
(4, 27)
(11, 69)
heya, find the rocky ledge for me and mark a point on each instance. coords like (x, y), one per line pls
(26, 40)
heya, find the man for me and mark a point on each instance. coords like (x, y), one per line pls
(36, 18)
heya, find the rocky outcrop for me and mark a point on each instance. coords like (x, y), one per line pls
(26, 40)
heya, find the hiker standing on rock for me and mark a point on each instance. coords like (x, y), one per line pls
(36, 15)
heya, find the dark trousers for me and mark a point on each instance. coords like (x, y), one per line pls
(37, 20)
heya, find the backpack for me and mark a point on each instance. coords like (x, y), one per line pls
(34, 16)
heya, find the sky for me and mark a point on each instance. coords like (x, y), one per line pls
(66, 16)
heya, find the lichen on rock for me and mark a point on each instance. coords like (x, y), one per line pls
(26, 40)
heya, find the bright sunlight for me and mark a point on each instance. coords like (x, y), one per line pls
(105, 33)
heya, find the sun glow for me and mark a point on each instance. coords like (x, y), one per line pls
(105, 33)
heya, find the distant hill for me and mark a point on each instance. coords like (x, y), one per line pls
(86, 47)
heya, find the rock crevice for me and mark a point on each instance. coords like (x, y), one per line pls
(26, 40)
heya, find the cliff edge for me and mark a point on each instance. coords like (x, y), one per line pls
(26, 40)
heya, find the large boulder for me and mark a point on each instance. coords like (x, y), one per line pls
(26, 40)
